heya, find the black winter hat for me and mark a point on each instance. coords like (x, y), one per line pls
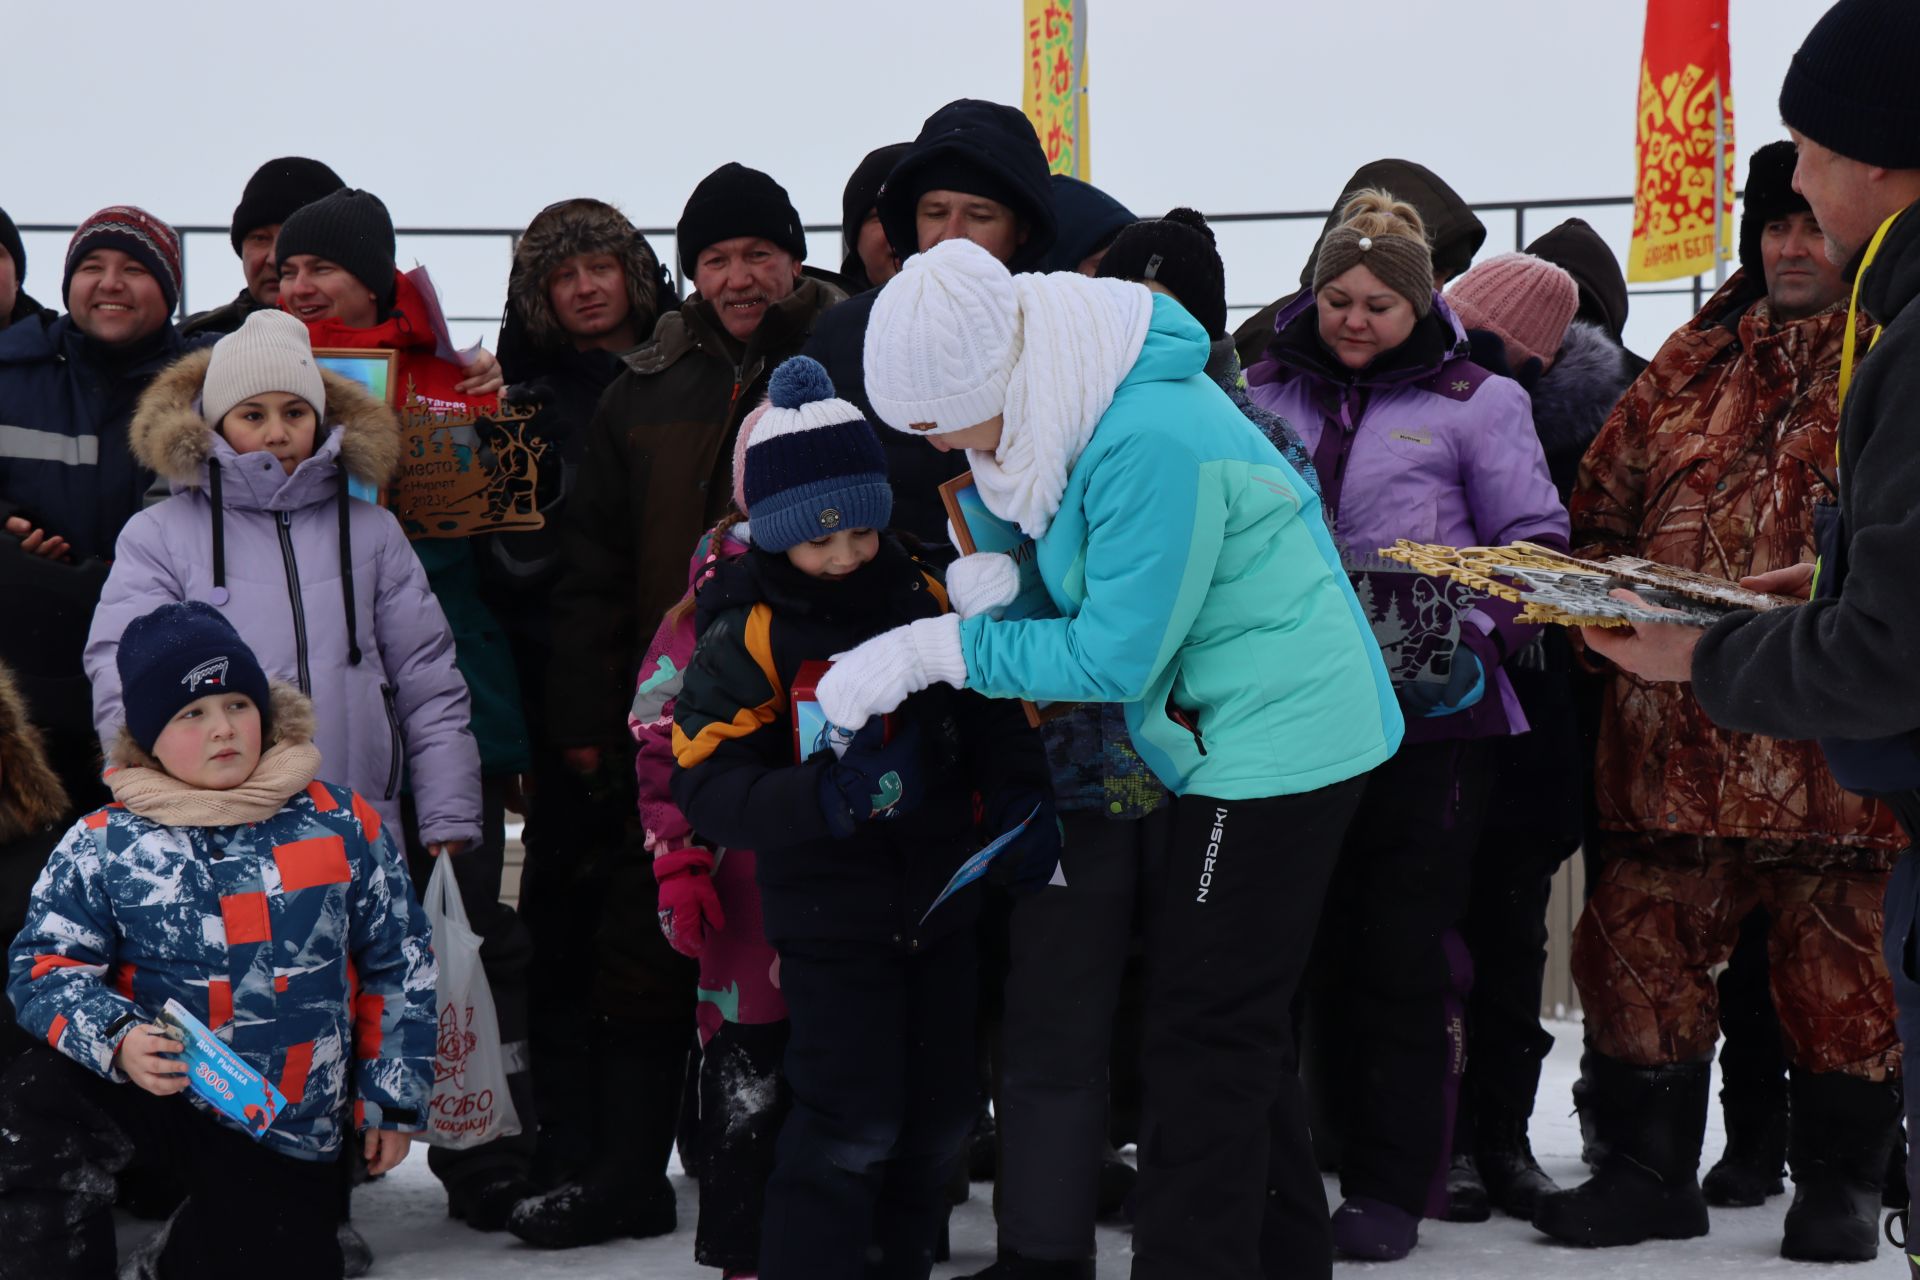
(1577, 249)
(732, 201)
(1769, 195)
(178, 654)
(1852, 87)
(350, 228)
(981, 148)
(1089, 219)
(10, 241)
(863, 190)
(1179, 253)
(276, 189)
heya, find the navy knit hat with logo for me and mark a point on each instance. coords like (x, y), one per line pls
(815, 466)
(178, 654)
(136, 233)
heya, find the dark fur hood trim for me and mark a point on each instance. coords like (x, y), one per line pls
(292, 722)
(1572, 399)
(169, 436)
(30, 792)
(561, 231)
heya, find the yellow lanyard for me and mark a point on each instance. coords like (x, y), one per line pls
(1846, 362)
(1853, 310)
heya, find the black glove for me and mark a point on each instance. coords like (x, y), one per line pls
(874, 780)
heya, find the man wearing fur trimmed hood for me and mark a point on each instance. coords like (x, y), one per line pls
(585, 287)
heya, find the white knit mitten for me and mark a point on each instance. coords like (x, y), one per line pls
(985, 582)
(875, 677)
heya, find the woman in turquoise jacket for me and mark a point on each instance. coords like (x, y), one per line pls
(1196, 584)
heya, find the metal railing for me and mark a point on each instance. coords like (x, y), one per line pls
(1304, 219)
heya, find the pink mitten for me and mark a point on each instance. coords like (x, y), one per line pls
(689, 907)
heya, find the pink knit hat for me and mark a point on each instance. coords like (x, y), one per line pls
(1525, 301)
(740, 443)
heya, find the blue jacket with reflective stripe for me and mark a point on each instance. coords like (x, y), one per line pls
(65, 403)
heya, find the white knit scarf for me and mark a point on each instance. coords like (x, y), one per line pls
(1079, 339)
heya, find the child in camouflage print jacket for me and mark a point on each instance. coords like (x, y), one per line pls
(276, 910)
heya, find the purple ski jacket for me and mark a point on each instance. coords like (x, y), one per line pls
(1421, 444)
(396, 716)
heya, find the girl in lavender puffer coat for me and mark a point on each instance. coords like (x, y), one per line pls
(258, 443)
(1411, 440)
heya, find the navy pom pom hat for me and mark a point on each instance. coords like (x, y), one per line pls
(814, 466)
(178, 654)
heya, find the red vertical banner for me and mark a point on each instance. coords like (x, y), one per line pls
(1684, 146)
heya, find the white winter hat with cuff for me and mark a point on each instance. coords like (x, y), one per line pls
(270, 352)
(942, 341)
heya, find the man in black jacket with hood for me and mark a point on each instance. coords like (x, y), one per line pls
(976, 172)
(1840, 668)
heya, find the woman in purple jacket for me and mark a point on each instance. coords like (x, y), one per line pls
(258, 444)
(1411, 440)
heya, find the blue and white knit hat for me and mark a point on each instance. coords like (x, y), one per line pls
(814, 466)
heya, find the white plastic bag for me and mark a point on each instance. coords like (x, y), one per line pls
(470, 1102)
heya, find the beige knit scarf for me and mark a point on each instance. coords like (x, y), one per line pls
(284, 771)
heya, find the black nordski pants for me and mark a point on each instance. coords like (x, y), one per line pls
(1227, 1174)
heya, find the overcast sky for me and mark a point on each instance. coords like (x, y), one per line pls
(479, 113)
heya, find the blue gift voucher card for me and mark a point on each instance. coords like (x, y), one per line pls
(220, 1075)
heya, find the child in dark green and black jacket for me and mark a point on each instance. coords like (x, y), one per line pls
(854, 849)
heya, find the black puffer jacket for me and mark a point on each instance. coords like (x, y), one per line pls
(987, 136)
(760, 619)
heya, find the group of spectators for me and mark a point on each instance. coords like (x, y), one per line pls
(1275, 901)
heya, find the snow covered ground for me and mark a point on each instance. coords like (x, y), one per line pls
(404, 1218)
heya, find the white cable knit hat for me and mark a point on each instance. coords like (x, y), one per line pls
(942, 341)
(270, 352)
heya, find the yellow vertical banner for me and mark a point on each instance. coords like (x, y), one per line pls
(1683, 143)
(1055, 90)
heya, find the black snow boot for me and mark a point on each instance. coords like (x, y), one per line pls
(639, 1072)
(1752, 1166)
(1466, 1193)
(1842, 1127)
(1514, 1180)
(1011, 1266)
(1651, 1121)
(1591, 1147)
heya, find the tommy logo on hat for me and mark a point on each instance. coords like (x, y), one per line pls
(212, 674)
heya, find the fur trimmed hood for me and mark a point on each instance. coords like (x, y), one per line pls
(30, 792)
(292, 722)
(169, 436)
(561, 231)
(1572, 399)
